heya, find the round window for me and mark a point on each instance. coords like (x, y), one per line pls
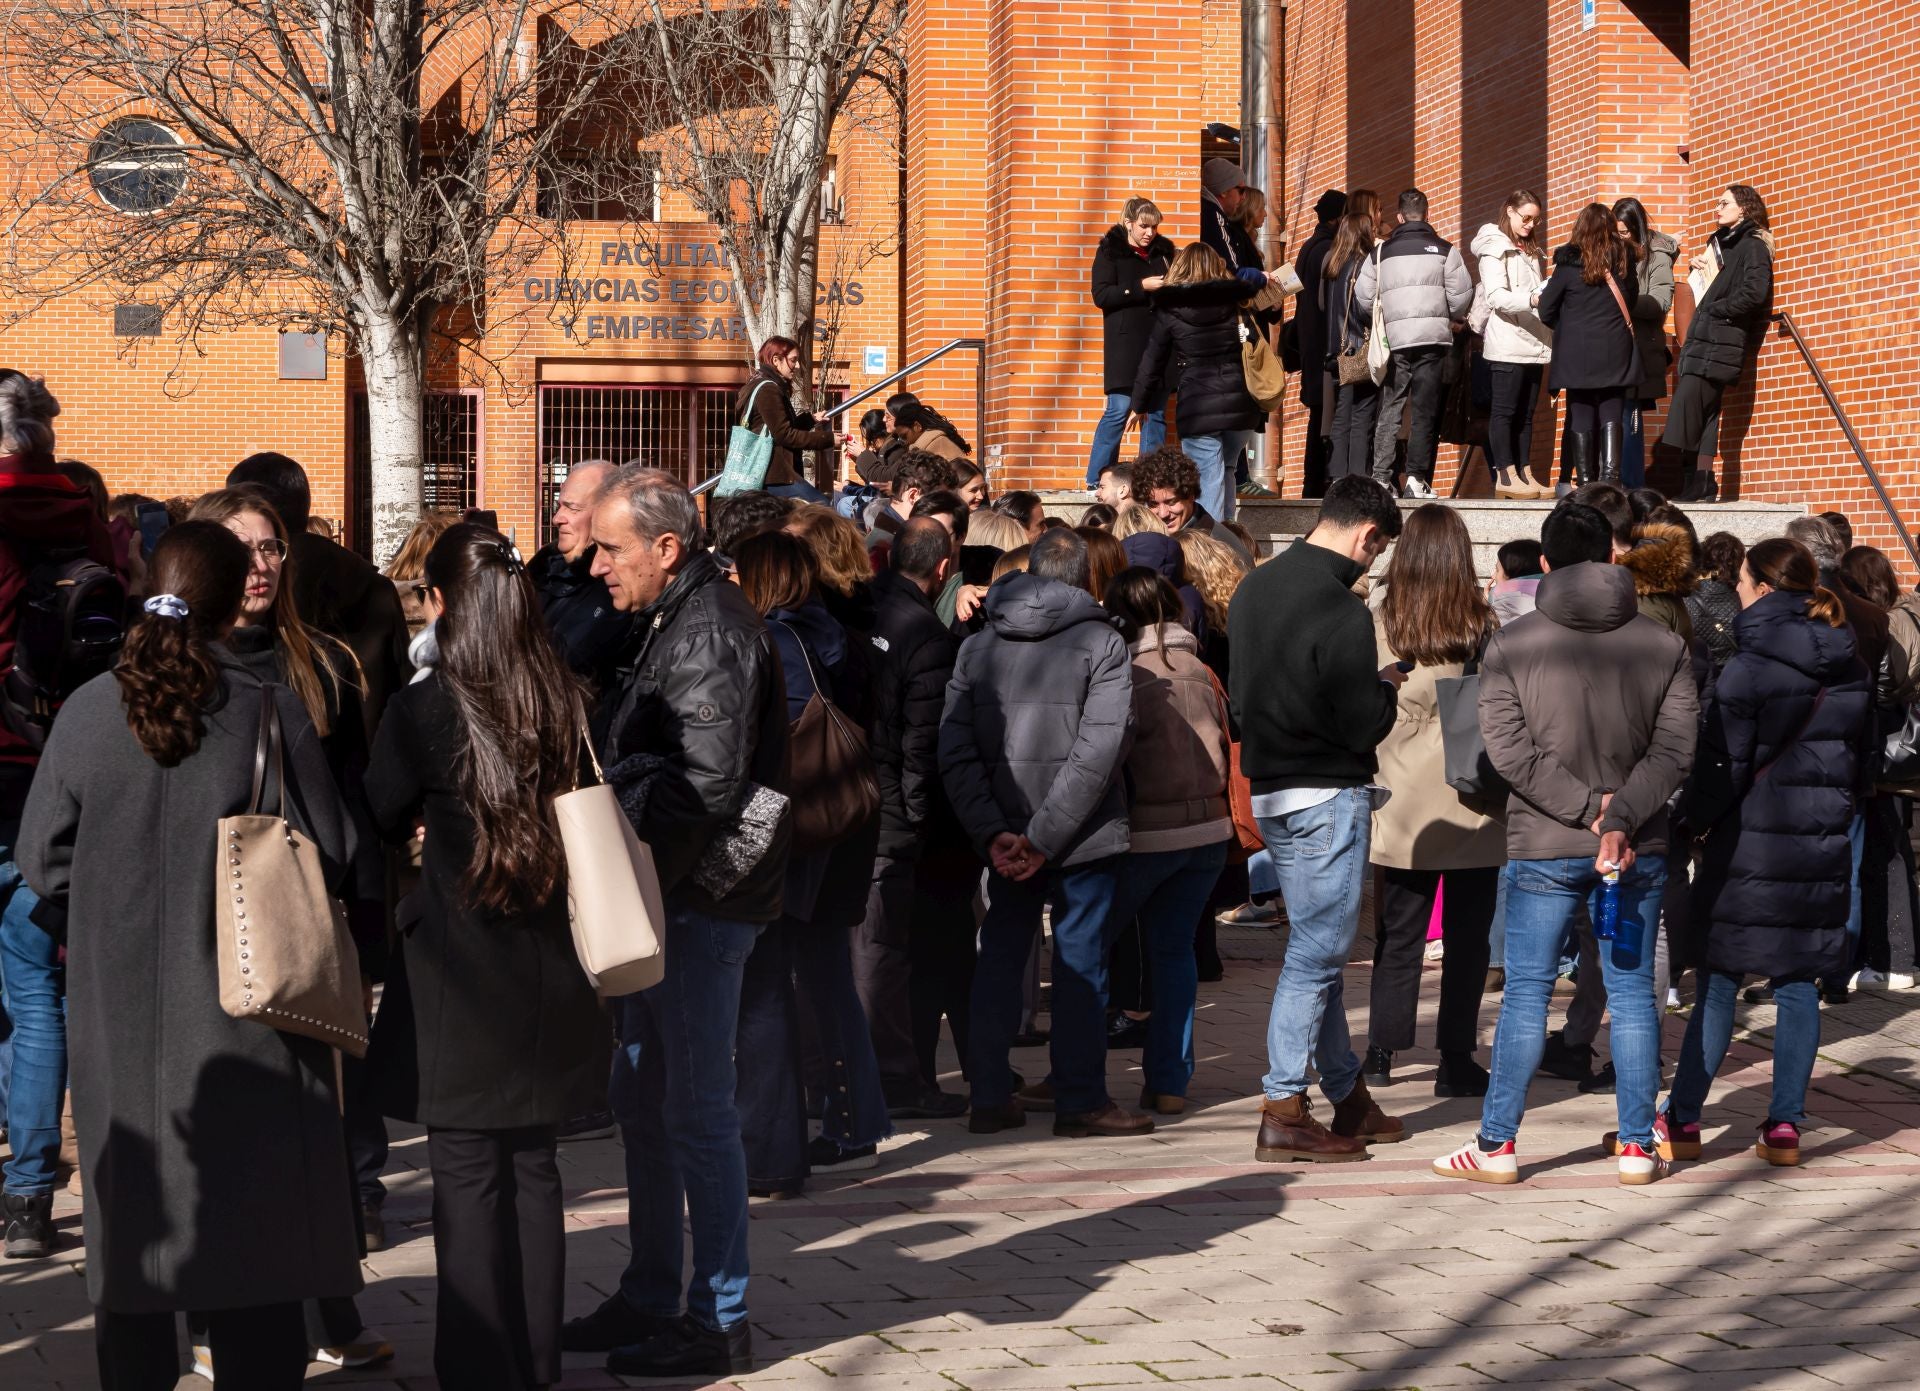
(137, 166)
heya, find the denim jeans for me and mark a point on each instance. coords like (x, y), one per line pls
(800, 490)
(1796, 1038)
(1320, 855)
(1167, 890)
(1542, 898)
(1111, 433)
(1213, 455)
(35, 987)
(673, 1094)
(1081, 898)
(768, 1092)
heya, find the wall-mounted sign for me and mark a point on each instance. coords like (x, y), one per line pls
(1589, 13)
(876, 362)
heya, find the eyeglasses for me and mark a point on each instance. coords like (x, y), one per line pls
(273, 548)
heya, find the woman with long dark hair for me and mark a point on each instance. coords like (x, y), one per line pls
(1775, 786)
(1515, 343)
(215, 1172)
(765, 403)
(1356, 405)
(1653, 254)
(489, 1034)
(1595, 359)
(1436, 619)
(1729, 320)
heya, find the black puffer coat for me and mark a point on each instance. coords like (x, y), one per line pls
(1775, 789)
(1593, 344)
(1731, 318)
(1201, 323)
(913, 660)
(1126, 310)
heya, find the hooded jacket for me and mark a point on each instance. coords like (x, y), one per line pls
(1423, 285)
(1037, 724)
(1126, 310)
(1775, 788)
(1584, 697)
(1200, 323)
(1731, 319)
(1177, 771)
(913, 661)
(1162, 554)
(1650, 308)
(1593, 344)
(1509, 275)
(1661, 563)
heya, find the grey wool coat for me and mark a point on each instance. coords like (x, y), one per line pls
(215, 1167)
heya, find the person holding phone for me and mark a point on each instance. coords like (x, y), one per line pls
(1129, 265)
(765, 403)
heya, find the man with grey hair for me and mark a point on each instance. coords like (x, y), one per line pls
(696, 746)
(586, 626)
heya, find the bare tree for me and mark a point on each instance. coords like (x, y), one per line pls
(368, 168)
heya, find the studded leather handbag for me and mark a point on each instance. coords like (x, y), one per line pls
(286, 957)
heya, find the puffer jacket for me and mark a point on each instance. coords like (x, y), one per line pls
(1037, 724)
(703, 690)
(1421, 281)
(1661, 563)
(1177, 771)
(1580, 698)
(1731, 319)
(1126, 310)
(765, 403)
(1593, 346)
(1200, 323)
(1514, 332)
(1650, 308)
(913, 661)
(1775, 789)
(1713, 606)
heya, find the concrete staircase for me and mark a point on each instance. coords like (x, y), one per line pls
(1492, 524)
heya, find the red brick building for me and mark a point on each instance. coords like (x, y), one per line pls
(1030, 121)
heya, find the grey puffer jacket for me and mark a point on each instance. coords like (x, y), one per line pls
(1038, 723)
(1581, 698)
(1423, 285)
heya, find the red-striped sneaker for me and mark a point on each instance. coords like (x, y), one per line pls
(1481, 1166)
(1779, 1144)
(1640, 1165)
(1670, 1140)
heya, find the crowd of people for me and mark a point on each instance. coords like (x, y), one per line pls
(1587, 322)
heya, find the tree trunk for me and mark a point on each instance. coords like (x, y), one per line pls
(396, 403)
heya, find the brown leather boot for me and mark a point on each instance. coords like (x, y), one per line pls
(1288, 1132)
(1110, 1119)
(1359, 1117)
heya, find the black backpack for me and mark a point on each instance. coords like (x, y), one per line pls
(68, 629)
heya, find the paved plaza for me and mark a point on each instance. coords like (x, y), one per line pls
(1009, 1262)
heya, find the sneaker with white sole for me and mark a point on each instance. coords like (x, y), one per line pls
(1416, 488)
(203, 1361)
(371, 1350)
(1499, 1165)
(1900, 980)
(1673, 1000)
(1640, 1165)
(828, 1156)
(1866, 978)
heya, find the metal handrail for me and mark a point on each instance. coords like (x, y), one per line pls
(956, 345)
(1792, 330)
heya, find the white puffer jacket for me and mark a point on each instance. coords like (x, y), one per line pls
(1514, 332)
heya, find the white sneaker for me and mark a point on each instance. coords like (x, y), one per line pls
(1639, 1165)
(1480, 1166)
(203, 1361)
(1900, 980)
(1866, 978)
(1416, 487)
(1673, 999)
(1436, 949)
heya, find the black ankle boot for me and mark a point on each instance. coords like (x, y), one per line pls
(1579, 456)
(1611, 444)
(29, 1226)
(1459, 1075)
(1377, 1070)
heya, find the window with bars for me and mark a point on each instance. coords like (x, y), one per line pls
(450, 483)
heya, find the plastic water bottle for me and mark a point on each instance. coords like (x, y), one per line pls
(1606, 916)
(1626, 932)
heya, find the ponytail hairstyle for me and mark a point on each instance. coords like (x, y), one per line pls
(1140, 601)
(303, 651)
(167, 675)
(1788, 566)
(1602, 253)
(520, 716)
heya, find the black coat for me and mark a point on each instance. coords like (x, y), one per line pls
(914, 654)
(1126, 310)
(1775, 789)
(1593, 343)
(773, 413)
(1202, 324)
(487, 1022)
(587, 628)
(1731, 319)
(343, 596)
(702, 690)
(1309, 316)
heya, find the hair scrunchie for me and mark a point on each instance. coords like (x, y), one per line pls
(166, 606)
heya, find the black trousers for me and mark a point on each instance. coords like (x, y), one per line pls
(1693, 419)
(263, 1348)
(942, 952)
(1888, 906)
(1516, 392)
(1588, 408)
(768, 1089)
(1350, 441)
(1406, 907)
(500, 1256)
(1313, 472)
(882, 970)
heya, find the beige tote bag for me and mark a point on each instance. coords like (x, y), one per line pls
(286, 957)
(613, 891)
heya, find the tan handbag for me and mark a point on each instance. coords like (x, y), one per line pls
(613, 891)
(1266, 378)
(286, 957)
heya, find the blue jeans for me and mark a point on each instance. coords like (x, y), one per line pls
(854, 1112)
(1111, 433)
(673, 1094)
(801, 489)
(1543, 897)
(1213, 455)
(1167, 890)
(1320, 855)
(1082, 900)
(1796, 1038)
(35, 987)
